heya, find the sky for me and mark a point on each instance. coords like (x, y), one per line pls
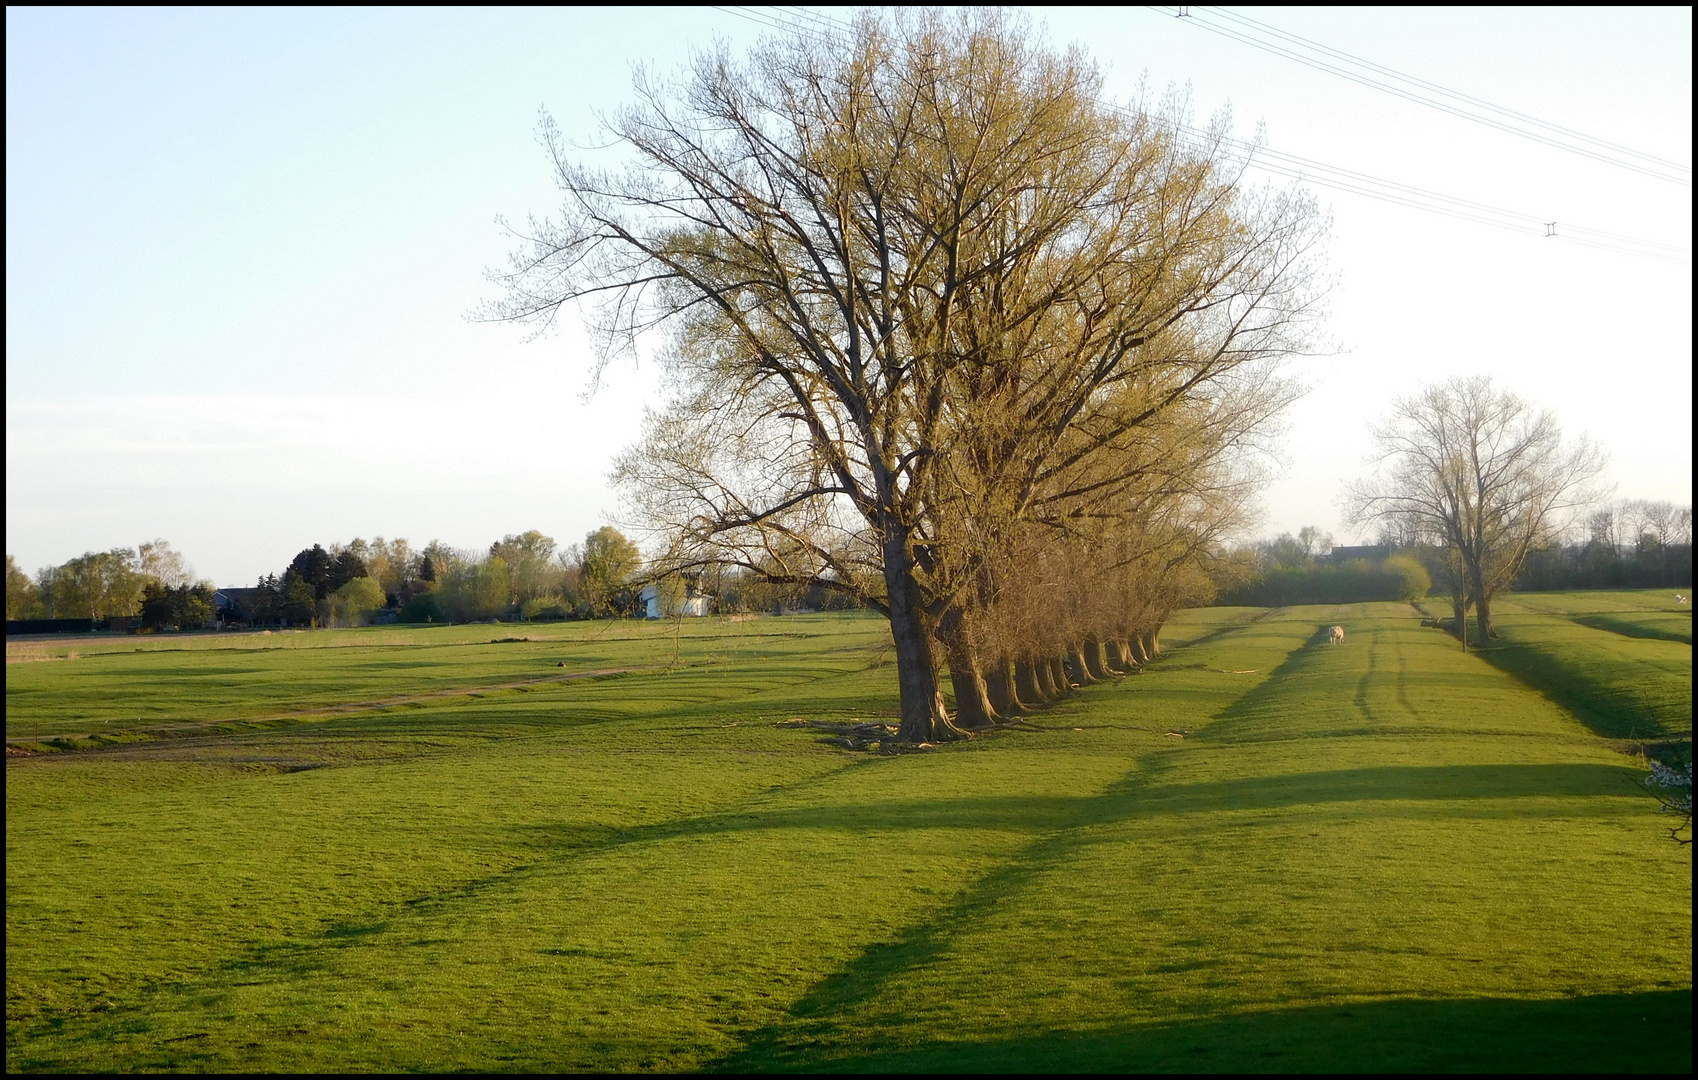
(242, 246)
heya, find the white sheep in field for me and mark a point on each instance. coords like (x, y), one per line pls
(1679, 599)
(1335, 636)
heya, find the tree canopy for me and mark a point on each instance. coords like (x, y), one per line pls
(931, 302)
(609, 561)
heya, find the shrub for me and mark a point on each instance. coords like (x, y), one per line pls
(1406, 579)
(422, 608)
(356, 600)
(1398, 578)
(544, 608)
(475, 591)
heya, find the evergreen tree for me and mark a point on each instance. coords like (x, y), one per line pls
(314, 566)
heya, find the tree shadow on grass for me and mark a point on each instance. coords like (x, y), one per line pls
(1247, 718)
(1629, 628)
(1406, 783)
(1437, 791)
(827, 1028)
(1643, 1032)
(1209, 637)
(824, 1030)
(1609, 706)
(815, 1016)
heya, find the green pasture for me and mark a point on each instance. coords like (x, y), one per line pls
(107, 688)
(1264, 853)
(1619, 661)
(1640, 613)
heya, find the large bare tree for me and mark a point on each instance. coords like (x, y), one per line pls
(1484, 472)
(856, 242)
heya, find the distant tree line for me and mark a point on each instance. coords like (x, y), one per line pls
(186, 607)
(1297, 570)
(151, 582)
(524, 576)
(1632, 544)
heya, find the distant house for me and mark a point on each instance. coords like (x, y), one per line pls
(695, 604)
(1373, 553)
(235, 605)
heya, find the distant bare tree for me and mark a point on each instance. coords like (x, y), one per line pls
(1481, 469)
(157, 561)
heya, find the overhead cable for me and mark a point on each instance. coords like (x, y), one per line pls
(819, 26)
(1424, 92)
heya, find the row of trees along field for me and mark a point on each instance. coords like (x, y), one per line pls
(151, 581)
(1630, 544)
(946, 333)
(525, 576)
(1304, 569)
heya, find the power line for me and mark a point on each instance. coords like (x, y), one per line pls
(1431, 94)
(824, 22)
(1306, 170)
(1468, 98)
(1333, 176)
(825, 26)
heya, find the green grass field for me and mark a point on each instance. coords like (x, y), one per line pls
(1262, 854)
(1623, 670)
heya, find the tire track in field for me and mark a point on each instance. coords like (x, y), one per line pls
(1403, 679)
(1367, 680)
(345, 709)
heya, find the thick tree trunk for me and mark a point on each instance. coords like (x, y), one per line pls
(999, 686)
(1058, 674)
(1124, 648)
(1046, 679)
(1008, 683)
(1073, 661)
(1150, 644)
(1094, 661)
(1136, 643)
(924, 718)
(1027, 684)
(973, 706)
(1482, 619)
(1119, 657)
(1041, 679)
(1109, 655)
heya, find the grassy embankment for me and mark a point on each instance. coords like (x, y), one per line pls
(1387, 855)
(1620, 661)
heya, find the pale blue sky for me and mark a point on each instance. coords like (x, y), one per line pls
(241, 245)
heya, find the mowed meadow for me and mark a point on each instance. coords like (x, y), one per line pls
(610, 847)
